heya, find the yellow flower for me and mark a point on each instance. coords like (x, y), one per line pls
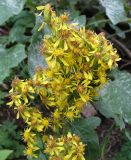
(30, 150)
(72, 113)
(45, 123)
(56, 114)
(64, 17)
(79, 104)
(67, 147)
(29, 136)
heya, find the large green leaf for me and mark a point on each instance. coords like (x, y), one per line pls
(35, 59)
(8, 8)
(115, 99)
(114, 10)
(10, 58)
(84, 127)
(4, 154)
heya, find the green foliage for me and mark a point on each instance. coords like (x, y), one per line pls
(115, 99)
(114, 10)
(2, 96)
(4, 154)
(20, 32)
(85, 128)
(10, 138)
(9, 8)
(124, 153)
(10, 58)
(21, 23)
(108, 13)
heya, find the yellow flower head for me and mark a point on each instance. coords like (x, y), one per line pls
(67, 147)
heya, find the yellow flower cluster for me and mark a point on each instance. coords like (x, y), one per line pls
(78, 60)
(65, 148)
(30, 138)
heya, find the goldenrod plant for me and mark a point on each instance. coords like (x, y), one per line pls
(77, 64)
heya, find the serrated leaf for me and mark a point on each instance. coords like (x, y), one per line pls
(9, 8)
(84, 127)
(10, 58)
(115, 99)
(114, 10)
(4, 154)
(35, 59)
(81, 20)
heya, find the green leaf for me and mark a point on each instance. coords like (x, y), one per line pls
(84, 127)
(9, 8)
(115, 99)
(81, 20)
(39, 143)
(114, 10)
(35, 59)
(4, 154)
(3, 40)
(21, 22)
(10, 58)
